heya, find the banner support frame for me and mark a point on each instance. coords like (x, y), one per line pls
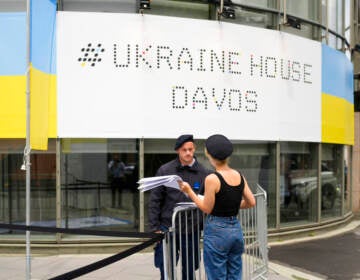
(27, 150)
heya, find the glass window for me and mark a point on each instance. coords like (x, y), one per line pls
(306, 30)
(347, 24)
(257, 162)
(298, 183)
(335, 13)
(308, 9)
(13, 6)
(123, 6)
(98, 183)
(158, 152)
(335, 21)
(13, 186)
(335, 42)
(304, 9)
(347, 177)
(253, 18)
(331, 180)
(258, 3)
(186, 9)
(323, 21)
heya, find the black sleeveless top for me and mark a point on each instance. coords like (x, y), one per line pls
(227, 200)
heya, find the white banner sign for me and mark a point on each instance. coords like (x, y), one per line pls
(132, 76)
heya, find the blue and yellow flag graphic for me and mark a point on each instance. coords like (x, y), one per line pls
(42, 69)
(12, 75)
(337, 97)
(13, 66)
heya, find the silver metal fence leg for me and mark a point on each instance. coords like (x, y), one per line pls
(186, 245)
(248, 243)
(165, 255)
(244, 229)
(254, 243)
(251, 243)
(252, 252)
(256, 240)
(245, 243)
(173, 253)
(180, 244)
(198, 241)
(204, 216)
(244, 253)
(193, 243)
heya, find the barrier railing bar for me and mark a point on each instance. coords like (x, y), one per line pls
(79, 231)
(99, 264)
(107, 261)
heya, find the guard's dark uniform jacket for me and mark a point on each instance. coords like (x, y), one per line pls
(163, 199)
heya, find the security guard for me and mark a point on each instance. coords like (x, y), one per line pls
(163, 200)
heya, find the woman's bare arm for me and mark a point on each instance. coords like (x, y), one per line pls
(248, 200)
(206, 204)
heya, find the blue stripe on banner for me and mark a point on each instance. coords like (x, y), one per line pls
(12, 44)
(337, 74)
(43, 20)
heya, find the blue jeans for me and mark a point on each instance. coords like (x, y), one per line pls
(223, 247)
(186, 254)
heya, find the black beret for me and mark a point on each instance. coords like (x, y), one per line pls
(219, 147)
(183, 139)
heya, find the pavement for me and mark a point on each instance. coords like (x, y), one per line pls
(138, 266)
(288, 260)
(334, 255)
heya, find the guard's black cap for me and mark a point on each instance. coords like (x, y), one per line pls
(183, 139)
(218, 146)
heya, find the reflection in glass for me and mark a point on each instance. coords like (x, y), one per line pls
(13, 186)
(98, 183)
(257, 162)
(253, 18)
(347, 178)
(308, 9)
(186, 9)
(331, 176)
(298, 183)
(258, 3)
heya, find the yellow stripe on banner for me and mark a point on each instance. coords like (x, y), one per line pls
(12, 107)
(43, 108)
(337, 120)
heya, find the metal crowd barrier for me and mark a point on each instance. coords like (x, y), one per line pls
(179, 262)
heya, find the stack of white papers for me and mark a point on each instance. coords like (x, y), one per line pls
(149, 183)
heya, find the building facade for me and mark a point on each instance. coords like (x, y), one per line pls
(274, 76)
(356, 62)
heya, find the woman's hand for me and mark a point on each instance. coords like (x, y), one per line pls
(184, 187)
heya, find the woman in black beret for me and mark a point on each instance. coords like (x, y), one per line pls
(226, 190)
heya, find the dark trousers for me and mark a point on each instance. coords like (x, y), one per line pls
(117, 184)
(189, 252)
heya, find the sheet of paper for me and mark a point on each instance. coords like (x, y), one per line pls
(149, 183)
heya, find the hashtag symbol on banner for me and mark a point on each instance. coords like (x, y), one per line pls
(90, 55)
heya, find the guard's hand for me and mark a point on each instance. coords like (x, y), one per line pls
(184, 187)
(159, 232)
